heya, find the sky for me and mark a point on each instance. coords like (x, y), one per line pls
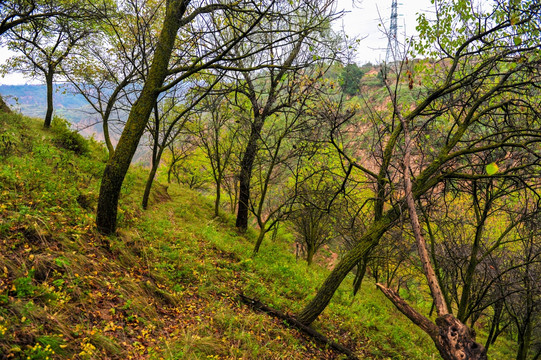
(364, 16)
(361, 21)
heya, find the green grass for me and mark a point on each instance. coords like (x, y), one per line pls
(166, 286)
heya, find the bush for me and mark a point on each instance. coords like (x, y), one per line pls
(69, 139)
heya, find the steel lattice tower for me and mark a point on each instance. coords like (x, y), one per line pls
(392, 46)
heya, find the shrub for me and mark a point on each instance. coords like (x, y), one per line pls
(69, 139)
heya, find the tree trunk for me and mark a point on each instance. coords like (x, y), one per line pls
(49, 112)
(359, 276)
(118, 165)
(456, 341)
(524, 340)
(310, 252)
(259, 240)
(218, 196)
(148, 185)
(156, 156)
(105, 126)
(107, 115)
(348, 262)
(453, 339)
(464, 307)
(245, 175)
(169, 174)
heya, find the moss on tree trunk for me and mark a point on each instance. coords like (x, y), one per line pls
(119, 163)
(245, 175)
(348, 262)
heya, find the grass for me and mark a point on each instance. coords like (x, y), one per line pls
(166, 286)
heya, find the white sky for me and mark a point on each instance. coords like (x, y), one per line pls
(361, 21)
(365, 15)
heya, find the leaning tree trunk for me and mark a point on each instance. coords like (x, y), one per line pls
(245, 175)
(49, 112)
(118, 165)
(156, 157)
(259, 240)
(148, 185)
(348, 262)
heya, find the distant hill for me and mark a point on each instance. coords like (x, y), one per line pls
(31, 100)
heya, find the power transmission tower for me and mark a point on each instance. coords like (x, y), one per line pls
(392, 46)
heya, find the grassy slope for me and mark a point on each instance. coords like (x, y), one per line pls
(166, 285)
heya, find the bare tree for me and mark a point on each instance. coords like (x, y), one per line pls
(217, 130)
(295, 41)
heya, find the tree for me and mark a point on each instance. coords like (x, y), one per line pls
(476, 82)
(178, 67)
(170, 117)
(314, 226)
(350, 79)
(108, 70)
(44, 45)
(285, 146)
(217, 130)
(295, 41)
(14, 13)
(179, 149)
(523, 304)
(119, 163)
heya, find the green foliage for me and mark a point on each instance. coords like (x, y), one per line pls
(492, 168)
(194, 171)
(69, 139)
(24, 286)
(39, 352)
(167, 285)
(350, 79)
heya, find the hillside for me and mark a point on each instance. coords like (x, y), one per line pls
(167, 286)
(31, 100)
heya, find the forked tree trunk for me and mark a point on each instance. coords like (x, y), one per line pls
(496, 317)
(524, 340)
